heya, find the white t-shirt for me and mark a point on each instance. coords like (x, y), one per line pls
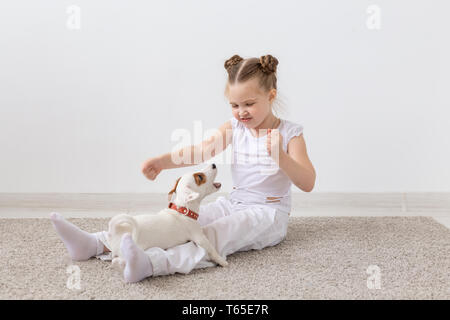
(255, 174)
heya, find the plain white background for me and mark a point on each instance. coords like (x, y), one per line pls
(81, 109)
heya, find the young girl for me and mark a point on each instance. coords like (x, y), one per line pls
(256, 213)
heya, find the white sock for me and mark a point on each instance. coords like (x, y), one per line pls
(138, 265)
(81, 245)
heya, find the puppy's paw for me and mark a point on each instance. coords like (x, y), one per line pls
(118, 264)
(223, 262)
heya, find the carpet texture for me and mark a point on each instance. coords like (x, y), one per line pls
(321, 258)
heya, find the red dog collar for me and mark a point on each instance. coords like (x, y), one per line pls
(183, 210)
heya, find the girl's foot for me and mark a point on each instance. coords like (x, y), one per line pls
(138, 265)
(81, 245)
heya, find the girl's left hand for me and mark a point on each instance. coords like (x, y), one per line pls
(274, 142)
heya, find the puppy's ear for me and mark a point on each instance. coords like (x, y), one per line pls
(169, 196)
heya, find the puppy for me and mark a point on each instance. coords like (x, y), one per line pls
(172, 226)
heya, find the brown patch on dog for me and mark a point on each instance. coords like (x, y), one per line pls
(174, 189)
(200, 178)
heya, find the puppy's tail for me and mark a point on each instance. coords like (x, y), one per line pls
(124, 223)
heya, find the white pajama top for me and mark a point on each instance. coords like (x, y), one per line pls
(257, 179)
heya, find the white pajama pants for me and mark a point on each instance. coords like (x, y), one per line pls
(229, 226)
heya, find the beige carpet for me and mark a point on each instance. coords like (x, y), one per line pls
(321, 258)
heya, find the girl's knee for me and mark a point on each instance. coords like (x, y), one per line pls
(210, 212)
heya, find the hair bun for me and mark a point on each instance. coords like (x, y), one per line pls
(268, 64)
(234, 60)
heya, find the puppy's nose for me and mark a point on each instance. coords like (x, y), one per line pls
(213, 165)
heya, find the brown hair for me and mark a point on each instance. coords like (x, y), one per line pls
(263, 68)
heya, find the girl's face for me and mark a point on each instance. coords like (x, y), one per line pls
(248, 102)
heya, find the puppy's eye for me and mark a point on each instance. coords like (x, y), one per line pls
(200, 178)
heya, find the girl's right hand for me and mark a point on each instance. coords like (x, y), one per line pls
(151, 168)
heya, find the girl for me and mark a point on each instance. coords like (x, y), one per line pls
(256, 213)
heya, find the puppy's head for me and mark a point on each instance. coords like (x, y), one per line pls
(196, 185)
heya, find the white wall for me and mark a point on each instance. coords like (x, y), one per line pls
(82, 109)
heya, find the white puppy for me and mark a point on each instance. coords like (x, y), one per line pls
(171, 226)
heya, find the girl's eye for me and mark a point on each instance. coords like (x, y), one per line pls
(250, 104)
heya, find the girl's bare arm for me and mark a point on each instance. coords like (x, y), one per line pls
(196, 154)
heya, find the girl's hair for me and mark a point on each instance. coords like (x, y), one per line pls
(264, 69)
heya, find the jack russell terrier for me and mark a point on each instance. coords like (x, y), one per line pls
(172, 226)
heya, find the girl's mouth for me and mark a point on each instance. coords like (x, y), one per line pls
(245, 119)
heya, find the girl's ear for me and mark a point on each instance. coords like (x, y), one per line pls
(173, 190)
(272, 94)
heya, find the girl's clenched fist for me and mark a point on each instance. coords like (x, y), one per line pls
(274, 143)
(151, 168)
